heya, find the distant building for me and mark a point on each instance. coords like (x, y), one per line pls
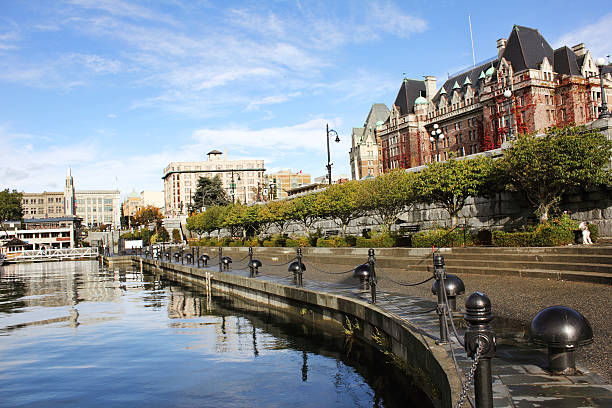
(364, 146)
(242, 179)
(154, 198)
(277, 185)
(339, 178)
(95, 207)
(38, 233)
(548, 87)
(132, 204)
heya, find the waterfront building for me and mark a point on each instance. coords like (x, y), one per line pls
(277, 185)
(364, 146)
(528, 87)
(38, 233)
(243, 179)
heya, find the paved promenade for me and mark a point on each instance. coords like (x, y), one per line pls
(520, 379)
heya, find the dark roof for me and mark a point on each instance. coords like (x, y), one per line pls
(43, 220)
(565, 62)
(473, 74)
(409, 91)
(14, 242)
(526, 48)
(580, 60)
(378, 112)
(213, 152)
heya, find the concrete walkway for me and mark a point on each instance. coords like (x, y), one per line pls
(519, 376)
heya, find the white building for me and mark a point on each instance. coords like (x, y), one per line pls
(154, 198)
(242, 179)
(40, 233)
(98, 207)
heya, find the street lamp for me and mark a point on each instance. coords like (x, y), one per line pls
(435, 135)
(508, 96)
(601, 63)
(233, 186)
(337, 140)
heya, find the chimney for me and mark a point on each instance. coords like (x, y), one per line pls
(501, 46)
(430, 87)
(579, 49)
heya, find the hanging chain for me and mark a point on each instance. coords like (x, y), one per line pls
(470, 377)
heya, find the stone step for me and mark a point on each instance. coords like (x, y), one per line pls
(525, 265)
(577, 276)
(565, 258)
(573, 249)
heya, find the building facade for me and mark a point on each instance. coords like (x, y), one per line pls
(528, 87)
(364, 147)
(99, 207)
(154, 198)
(38, 233)
(133, 202)
(277, 185)
(242, 179)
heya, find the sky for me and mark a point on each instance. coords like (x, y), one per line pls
(117, 89)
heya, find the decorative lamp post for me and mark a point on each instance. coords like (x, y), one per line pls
(233, 186)
(508, 96)
(436, 134)
(601, 63)
(329, 164)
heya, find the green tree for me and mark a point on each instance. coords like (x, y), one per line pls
(277, 213)
(546, 167)
(304, 210)
(176, 235)
(209, 192)
(342, 203)
(451, 182)
(195, 223)
(148, 215)
(10, 205)
(163, 235)
(389, 195)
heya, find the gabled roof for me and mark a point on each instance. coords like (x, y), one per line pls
(566, 62)
(378, 112)
(409, 91)
(472, 76)
(358, 134)
(526, 48)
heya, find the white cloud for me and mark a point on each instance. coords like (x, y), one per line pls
(391, 19)
(595, 36)
(270, 100)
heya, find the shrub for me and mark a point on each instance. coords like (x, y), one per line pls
(253, 242)
(512, 239)
(594, 228)
(378, 240)
(176, 235)
(297, 242)
(333, 242)
(442, 237)
(236, 243)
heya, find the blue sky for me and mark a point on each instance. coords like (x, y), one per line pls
(118, 89)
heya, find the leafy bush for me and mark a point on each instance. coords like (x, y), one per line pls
(333, 242)
(512, 239)
(298, 242)
(275, 241)
(176, 235)
(442, 237)
(378, 240)
(253, 242)
(594, 228)
(236, 243)
(557, 232)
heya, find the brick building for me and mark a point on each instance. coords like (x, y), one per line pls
(547, 88)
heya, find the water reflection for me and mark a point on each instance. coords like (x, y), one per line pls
(72, 334)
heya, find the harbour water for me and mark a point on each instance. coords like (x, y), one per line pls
(73, 334)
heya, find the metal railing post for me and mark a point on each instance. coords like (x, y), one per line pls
(372, 277)
(440, 275)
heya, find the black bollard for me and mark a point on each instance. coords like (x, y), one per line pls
(440, 275)
(480, 335)
(198, 255)
(251, 269)
(372, 277)
(220, 260)
(182, 256)
(192, 254)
